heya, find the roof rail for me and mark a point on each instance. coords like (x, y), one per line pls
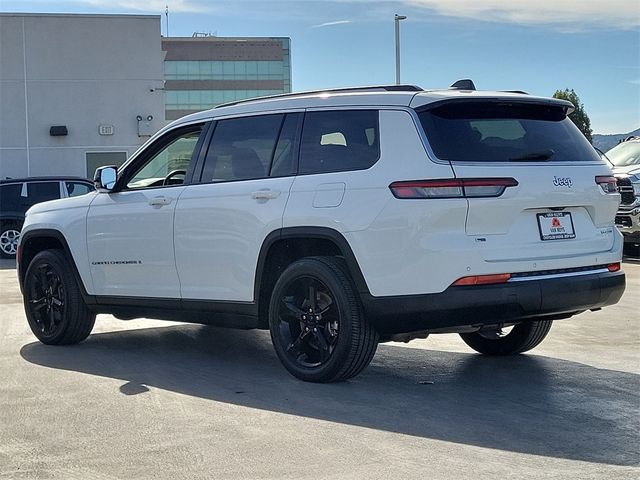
(465, 84)
(373, 88)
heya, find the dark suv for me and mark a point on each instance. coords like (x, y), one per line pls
(17, 195)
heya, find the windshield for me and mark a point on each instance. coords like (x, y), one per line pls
(625, 154)
(504, 132)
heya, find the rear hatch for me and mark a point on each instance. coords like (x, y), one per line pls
(563, 201)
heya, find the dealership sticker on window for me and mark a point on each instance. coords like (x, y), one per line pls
(555, 226)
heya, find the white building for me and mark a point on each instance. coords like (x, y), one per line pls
(77, 91)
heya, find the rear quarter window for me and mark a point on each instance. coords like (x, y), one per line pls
(503, 132)
(341, 140)
(75, 189)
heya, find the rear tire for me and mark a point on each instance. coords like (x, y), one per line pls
(53, 303)
(521, 338)
(316, 322)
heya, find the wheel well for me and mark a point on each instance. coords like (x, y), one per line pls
(10, 221)
(31, 246)
(284, 252)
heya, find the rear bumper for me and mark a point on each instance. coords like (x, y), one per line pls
(491, 304)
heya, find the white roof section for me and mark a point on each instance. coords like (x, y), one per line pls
(303, 101)
(376, 97)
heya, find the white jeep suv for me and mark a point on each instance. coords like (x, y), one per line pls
(337, 220)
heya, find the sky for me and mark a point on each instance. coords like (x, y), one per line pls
(539, 46)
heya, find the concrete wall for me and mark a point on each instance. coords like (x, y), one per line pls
(80, 71)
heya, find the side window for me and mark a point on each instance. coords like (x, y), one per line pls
(241, 148)
(38, 192)
(10, 198)
(75, 189)
(335, 141)
(169, 165)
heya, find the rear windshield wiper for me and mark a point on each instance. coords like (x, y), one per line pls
(534, 156)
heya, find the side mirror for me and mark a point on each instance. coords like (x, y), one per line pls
(105, 178)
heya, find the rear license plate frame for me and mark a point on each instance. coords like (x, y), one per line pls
(549, 232)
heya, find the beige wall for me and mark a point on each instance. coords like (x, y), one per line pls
(81, 71)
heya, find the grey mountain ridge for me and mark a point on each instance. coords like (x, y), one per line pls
(607, 142)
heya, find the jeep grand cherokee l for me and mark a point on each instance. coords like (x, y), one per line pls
(337, 220)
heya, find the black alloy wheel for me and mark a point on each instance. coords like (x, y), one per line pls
(317, 324)
(309, 321)
(46, 302)
(53, 302)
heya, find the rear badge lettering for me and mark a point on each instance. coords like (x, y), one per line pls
(562, 181)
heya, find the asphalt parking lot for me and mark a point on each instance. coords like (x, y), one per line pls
(147, 399)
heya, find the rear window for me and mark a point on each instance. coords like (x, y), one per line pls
(625, 154)
(503, 132)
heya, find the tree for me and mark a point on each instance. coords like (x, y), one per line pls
(579, 117)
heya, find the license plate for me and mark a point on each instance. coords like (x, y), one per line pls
(555, 226)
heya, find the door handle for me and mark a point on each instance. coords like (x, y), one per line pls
(160, 201)
(265, 194)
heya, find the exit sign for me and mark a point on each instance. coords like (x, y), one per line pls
(105, 129)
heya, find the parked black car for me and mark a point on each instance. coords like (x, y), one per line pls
(18, 194)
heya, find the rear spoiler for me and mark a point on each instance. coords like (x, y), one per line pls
(565, 105)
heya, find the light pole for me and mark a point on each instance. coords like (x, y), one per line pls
(397, 19)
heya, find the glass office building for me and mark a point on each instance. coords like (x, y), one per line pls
(202, 72)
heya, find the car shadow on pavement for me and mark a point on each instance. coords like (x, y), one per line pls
(530, 404)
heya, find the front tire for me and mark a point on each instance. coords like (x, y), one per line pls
(317, 324)
(522, 337)
(53, 303)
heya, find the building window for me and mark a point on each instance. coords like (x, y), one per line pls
(101, 159)
(226, 70)
(204, 99)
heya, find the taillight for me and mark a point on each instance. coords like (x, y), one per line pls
(614, 267)
(608, 183)
(483, 279)
(452, 188)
